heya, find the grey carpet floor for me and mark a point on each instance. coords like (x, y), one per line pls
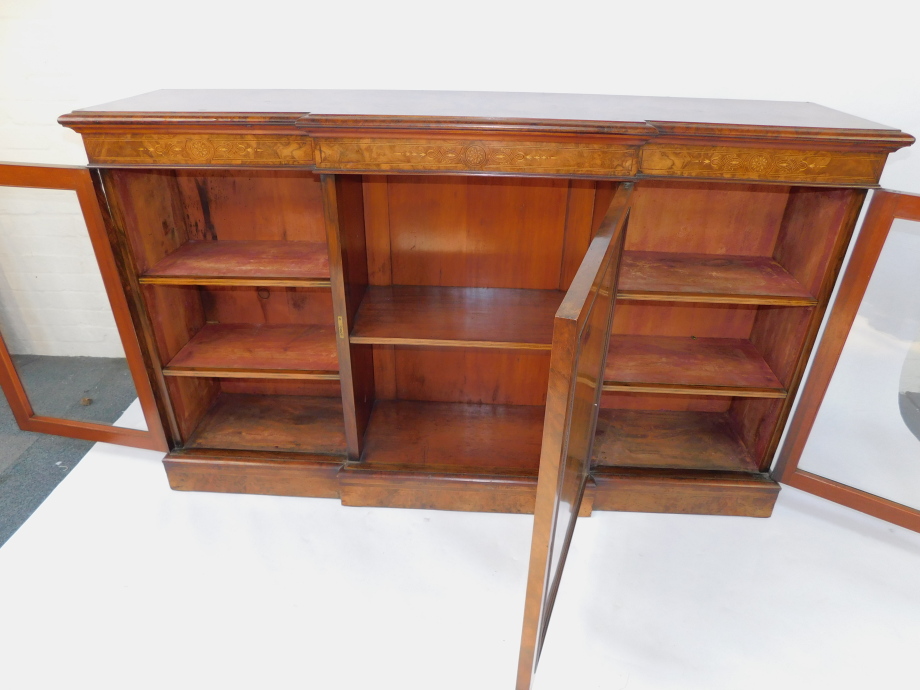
(97, 389)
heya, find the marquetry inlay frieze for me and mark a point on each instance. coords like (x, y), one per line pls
(761, 164)
(474, 156)
(198, 149)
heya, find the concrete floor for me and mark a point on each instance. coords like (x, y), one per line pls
(32, 465)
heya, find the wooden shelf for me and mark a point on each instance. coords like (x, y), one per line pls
(245, 350)
(697, 366)
(709, 278)
(253, 263)
(457, 317)
(674, 440)
(430, 435)
(288, 423)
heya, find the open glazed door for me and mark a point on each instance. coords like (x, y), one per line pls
(50, 333)
(581, 333)
(858, 417)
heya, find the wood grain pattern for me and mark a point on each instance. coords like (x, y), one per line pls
(264, 305)
(683, 319)
(768, 164)
(476, 232)
(251, 472)
(709, 278)
(701, 366)
(149, 207)
(503, 377)
(786, 337)
(693, 492)
(284, 423)
(620, 400)
(508, 491)
(691, 217)
(368, 154)
(581, 332)
(453, 435)
(196, 149)
(288, 264)
(456, 317)
(190, 399)
(579, 214)
(343, 202)
(811, 228)
(252, 350)
(665, 439)
(277, 205)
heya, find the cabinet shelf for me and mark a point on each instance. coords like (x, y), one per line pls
(672, 440)
(281, 423)
(246, 263)
(457, 317)
(698, 366)
(662, 276)
(258, 351)
(431, 435)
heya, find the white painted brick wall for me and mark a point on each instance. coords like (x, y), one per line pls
(57, 55)
(52, 301)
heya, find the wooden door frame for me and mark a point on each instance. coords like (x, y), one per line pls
(79, 180)
(885, 208)
(571, 319)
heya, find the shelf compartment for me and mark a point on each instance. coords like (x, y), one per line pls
(276, 423)
(447, 456)
(661, 276)
(254, 263)
(427, 435)
(691, 366)
(457, 317)
(670, 440)
(258, 351)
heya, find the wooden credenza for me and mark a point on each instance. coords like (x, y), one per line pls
(474, 301)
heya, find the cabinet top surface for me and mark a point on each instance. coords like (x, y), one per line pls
(623, 112)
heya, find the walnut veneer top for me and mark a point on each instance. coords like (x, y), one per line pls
(581, 112)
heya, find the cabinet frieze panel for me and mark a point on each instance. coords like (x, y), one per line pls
(411, 155)
(832, 167)
(198, 149)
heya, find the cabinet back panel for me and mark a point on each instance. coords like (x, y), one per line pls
(321, 389)
(150, 208)
(252, 205)
(660, 401)
(271, 306)
(477, 232)
(680, 319)
(706, 218)
(471, 376)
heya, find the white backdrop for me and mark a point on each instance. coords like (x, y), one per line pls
(58, 55)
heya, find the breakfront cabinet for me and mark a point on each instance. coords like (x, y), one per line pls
(545, 304)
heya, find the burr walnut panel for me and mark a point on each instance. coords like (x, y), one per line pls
(452, 155)
(774, 165)
(198, 149)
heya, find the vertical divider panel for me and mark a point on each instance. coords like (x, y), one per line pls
(343, 201)
(581, 334)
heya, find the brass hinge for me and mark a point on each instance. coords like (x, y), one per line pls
(341, 328)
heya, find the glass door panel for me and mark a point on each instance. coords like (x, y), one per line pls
(64, 323)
